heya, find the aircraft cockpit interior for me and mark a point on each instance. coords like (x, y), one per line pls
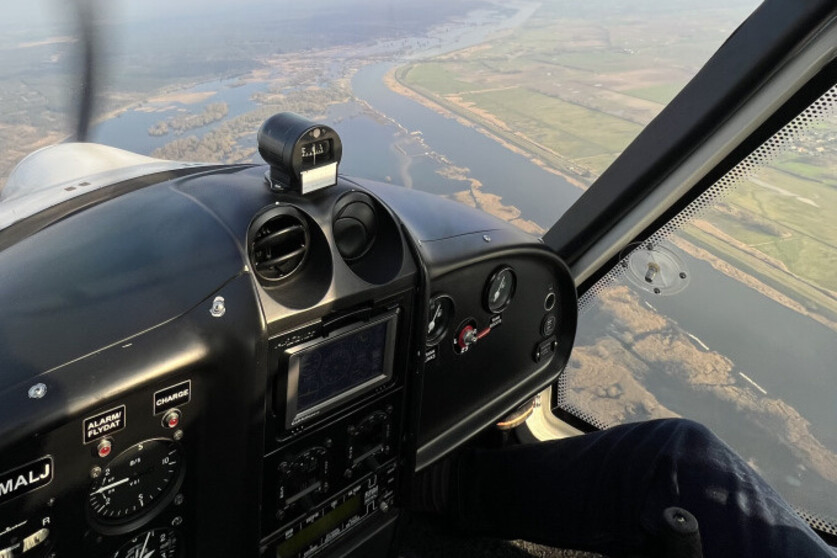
(203, 359)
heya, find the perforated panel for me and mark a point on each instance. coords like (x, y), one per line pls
(817, 112)
(565, 403)
(818, 522)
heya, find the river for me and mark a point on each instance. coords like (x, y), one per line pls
(790, 355)
(542, 195)
(129, 130)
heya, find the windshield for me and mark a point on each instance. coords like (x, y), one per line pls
(512, 108)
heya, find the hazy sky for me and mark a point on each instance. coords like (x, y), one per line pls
(38, 16)
(54, 15)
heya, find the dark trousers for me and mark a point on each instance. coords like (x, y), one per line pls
(606, 491)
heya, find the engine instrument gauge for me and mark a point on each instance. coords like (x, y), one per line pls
(438, 318)
(499, 289)
(157, 543)
(139, 482)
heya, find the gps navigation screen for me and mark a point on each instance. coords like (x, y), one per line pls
(337, 366)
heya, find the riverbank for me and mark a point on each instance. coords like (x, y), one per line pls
(476, 196)
(394, 81)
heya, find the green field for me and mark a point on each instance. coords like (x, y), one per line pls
(564, 133)
(601, 61)
(597, 164)
(823, 170)
(809, 296)
(809, 259)
(657, 93)
(435, 77)
(803, 235)
(792, 207)
(570, 129)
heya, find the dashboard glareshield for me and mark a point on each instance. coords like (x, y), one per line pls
(328, 371)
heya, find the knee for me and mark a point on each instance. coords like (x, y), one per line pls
(681, 432)
(689, 427)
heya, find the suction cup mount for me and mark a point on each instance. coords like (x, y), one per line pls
(655, 268)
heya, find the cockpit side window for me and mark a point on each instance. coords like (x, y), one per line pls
(728, 315)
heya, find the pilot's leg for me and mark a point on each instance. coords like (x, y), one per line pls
(606, 492)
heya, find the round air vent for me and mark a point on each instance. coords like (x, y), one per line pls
(279, 243)
(355, 225)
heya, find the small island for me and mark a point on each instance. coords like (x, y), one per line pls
(212, 112)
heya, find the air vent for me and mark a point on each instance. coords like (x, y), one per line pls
(279, 243)
(355, 225)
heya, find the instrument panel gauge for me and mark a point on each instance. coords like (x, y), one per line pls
(438, 318)
(499, 289)
(157, 543)
(135, 485)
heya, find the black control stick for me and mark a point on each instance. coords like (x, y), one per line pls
(679, 536)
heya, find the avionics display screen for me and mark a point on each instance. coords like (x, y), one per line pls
(333, 369)
(314, 533)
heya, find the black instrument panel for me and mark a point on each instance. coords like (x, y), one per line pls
(170, 391)
(97, 499)
(495, 353)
